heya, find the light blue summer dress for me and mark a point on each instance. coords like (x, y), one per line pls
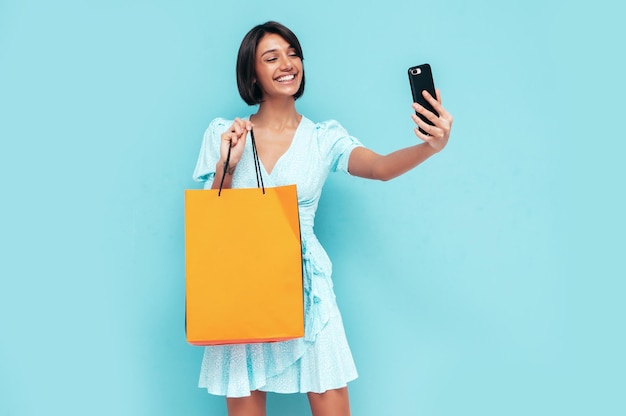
(321, 360)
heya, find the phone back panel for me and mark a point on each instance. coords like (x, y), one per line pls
(421, 78)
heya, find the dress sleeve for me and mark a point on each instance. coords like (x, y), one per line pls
(337, 145)
(209, 152)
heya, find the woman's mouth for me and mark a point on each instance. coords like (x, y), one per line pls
(286, 78)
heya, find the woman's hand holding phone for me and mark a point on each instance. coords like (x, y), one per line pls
(433, 121)
(437, 133)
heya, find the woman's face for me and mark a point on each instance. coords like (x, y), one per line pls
(278, 68)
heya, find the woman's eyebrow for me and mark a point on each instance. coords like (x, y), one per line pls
(275, 50)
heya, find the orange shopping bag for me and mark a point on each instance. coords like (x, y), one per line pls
(243, 265)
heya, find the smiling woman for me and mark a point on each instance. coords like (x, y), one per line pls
(278, 68)
(270, 40)
(294, 150)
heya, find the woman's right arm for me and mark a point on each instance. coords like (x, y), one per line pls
(235, 139)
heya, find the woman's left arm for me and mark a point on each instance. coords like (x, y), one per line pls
(367, 164)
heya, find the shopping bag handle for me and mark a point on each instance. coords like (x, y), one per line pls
(257, 163)
(257, 166)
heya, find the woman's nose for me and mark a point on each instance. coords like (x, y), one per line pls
(285, 63)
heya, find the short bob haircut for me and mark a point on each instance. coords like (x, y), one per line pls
(246, 58)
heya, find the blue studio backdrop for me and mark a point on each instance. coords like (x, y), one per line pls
(488, 281)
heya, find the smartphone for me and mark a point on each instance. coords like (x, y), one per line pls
(421, 78)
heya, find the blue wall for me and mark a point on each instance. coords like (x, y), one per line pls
(489, 281)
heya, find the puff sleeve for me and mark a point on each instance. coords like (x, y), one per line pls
(336, 145)
(209, 152)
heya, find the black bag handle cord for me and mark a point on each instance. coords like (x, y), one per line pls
(257, 166)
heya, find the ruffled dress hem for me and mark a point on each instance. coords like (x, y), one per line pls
(325, 364)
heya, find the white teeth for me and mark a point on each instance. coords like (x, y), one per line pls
(285, 78)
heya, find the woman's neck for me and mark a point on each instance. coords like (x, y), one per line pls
(277, 114)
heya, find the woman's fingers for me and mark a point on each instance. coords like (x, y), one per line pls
(441, 124)
(433, 131)
(237, 130)
(423, 137)
(426, 113)
(437, 105)
(437, 134)
(436, 141)
(242, 126)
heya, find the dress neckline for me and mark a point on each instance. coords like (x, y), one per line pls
(286, 152)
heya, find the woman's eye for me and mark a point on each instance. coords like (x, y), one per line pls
(272, 59)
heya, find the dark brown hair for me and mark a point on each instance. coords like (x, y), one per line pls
(248, 89)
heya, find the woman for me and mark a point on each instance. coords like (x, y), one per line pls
(293, 149)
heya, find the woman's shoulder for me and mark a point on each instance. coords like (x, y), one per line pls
(219, 122)
(328, 129)
(326, 125)
(322, 129)
(217, 126)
